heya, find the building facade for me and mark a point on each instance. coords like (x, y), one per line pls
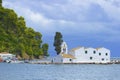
(90, 55)
(82, 55)
(6, 56)
(63, 57)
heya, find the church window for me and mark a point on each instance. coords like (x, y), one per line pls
(94, 52)
(106, 54)
(100, 54)
(64, 50)
(70, 59)
(102, 59)
(85, 52)
(91, 58)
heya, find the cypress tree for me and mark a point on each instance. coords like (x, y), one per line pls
(57, 42)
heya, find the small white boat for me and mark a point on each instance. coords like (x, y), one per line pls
(16, 61)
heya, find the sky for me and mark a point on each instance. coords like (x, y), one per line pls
(88, 23)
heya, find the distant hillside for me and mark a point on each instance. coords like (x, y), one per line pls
(17, 38)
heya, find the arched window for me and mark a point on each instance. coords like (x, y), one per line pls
(94, 52)
(91, 58)
(106, 54)
(99, 54)
(85, 52)
(103, 59)
(70, 59)
(64, 50)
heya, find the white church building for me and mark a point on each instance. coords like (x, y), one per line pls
(82, 55)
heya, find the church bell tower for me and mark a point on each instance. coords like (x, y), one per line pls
(64, 48)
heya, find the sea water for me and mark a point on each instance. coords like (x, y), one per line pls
(59, 71)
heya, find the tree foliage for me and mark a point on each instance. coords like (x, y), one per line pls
(57, 42)
(0, 3)
(45, 47)
(16, 37)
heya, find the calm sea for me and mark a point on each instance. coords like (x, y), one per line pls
(59, 72)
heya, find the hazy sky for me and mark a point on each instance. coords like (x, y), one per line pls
(89, 23)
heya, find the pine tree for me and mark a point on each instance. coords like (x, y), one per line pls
(16, 37)
(0, 3)
(45, 49)
(57, 42)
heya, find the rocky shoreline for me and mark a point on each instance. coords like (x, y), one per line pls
(71, 63)
(49, 61)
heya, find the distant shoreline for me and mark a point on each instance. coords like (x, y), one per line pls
(72, 63)
(61, 63)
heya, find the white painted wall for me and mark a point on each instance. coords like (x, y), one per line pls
(82, 57)
(103, 55)
(6, 56)
(57, 59)
(64, 48)
(67, 60)
(92, 55)
(60, 59)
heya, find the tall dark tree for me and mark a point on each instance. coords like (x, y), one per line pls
(45, 49)
(57, 42)
(0, 3)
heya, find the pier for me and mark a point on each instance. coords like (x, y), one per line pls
(115, 60)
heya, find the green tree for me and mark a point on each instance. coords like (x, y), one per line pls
(45, 49)
(16, 37)
(30, 53)
(0, 3)
(57, 42)
(38, 53)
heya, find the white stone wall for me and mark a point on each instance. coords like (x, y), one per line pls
(83, 55)
(67, 60)
(60, 59)
(91, 55)
(103, 58)
(7, 56)
(57, 59)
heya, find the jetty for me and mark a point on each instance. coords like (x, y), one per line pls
(115, 60)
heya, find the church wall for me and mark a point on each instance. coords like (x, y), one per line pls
(67, 60)
(83, 55)
(91, 55)
(58, 59)
(103, 57)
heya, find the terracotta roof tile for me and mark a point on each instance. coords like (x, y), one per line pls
(4, 53)
(67, 56)
(99, 48)
(75, 48)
